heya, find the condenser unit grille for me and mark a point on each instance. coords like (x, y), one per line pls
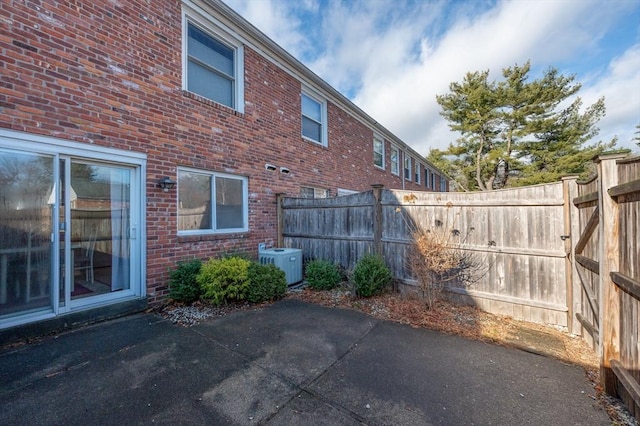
(289, 260)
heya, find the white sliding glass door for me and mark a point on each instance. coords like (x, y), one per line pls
(70, 229)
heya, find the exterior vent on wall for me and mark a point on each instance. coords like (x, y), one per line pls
(287, 259)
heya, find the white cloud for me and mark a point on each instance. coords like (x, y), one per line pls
(278, 20)
(392, 58)
(511, 33)
(620, 88)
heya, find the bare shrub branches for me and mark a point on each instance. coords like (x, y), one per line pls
(437, 257)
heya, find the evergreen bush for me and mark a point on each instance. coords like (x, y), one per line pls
(322, 274)
(370, 276)
(224, 280)
(183, 286)
(266, 282)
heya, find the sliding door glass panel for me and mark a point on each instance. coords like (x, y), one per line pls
(99, 244)
(27, 201)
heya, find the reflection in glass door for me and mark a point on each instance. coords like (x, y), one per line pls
(26, 208)
(90, 205)
(68, 221)
(98, 241)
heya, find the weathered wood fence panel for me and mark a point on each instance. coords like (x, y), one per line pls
(518, 243)
(339, 229)
(517, 246)
(606, 262)
(586, 261)
(621, 350)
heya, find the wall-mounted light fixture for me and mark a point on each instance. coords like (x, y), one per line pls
(166, 184)
(269, 167)
(284, 170)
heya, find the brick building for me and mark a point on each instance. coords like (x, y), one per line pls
(101, 101)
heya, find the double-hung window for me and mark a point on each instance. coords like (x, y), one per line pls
(426, 177)
(310, 192)
(378, 151)
(395, 160)
(407, 167)
(314, 119)
(417, 173)
(211, 202)
(213, 66)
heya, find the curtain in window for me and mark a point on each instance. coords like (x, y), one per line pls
(120, 229)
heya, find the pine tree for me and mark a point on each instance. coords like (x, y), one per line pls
(514, 132)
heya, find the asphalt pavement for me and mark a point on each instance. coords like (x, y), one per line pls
(290, 363)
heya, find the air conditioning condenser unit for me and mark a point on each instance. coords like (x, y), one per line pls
(287, 259)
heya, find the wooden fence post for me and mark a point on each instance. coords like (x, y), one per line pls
(280, 220)
(571, 235)
(608, 259)
(377, 218)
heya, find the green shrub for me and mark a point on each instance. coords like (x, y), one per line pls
(322, 275)
(224, 280)
(267, 282)
(183, 286)
(370, 276)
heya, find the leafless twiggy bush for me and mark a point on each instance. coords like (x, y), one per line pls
(437, 258)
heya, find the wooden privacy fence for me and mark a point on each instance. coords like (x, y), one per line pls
(606, 271)
(515, 236)
(565, 253)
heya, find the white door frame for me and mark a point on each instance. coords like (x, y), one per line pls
(65, 149)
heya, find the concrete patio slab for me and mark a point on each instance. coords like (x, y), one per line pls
(285, 364)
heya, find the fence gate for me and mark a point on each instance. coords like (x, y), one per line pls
(606, 293)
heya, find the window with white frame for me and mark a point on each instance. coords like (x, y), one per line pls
(395, 160)
(417, 173)
(378, 151)
(314, 119)
(210, 202)
(213, 65)
(426, 177)
(310, 192)
(407, 167)
(443, 184)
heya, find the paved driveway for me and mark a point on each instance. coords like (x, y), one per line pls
(291, 363)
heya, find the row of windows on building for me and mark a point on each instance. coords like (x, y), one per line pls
(214, 202)
(211, 70)
(431, 181)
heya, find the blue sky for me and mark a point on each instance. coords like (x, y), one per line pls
(392, 57)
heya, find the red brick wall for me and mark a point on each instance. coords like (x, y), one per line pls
(109, 73)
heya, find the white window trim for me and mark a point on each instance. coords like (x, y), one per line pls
(30, 143)
(323, 116)
(408, 176)
(378, 138)
(190, 15)
(214, 231)
(397, 151)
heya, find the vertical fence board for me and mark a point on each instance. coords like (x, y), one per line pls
(629, 265)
